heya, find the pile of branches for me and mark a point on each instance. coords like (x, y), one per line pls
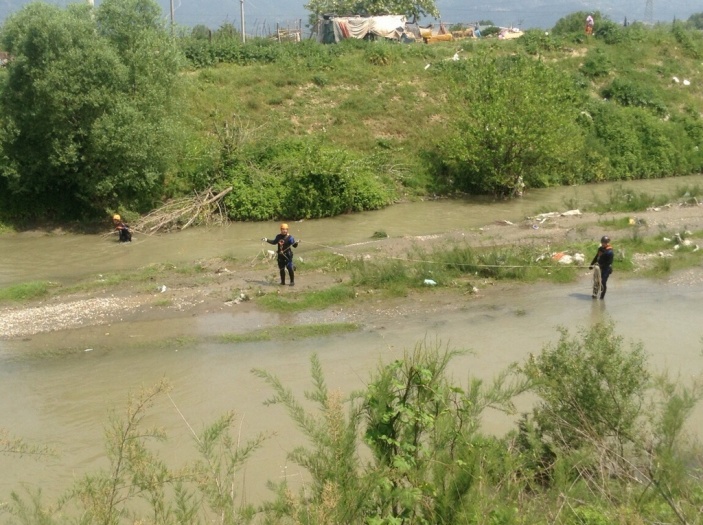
(203, 208)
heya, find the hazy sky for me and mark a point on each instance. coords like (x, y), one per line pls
(262, 15)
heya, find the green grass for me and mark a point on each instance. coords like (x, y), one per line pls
(621, 200)
(616, 224)
(26, 291)
(287, 333)
(324, 260)
(317, 300)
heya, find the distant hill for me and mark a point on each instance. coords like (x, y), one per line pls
(261, 16)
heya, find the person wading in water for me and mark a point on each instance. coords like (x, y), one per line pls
(122, 229)
(285, 242)
(604, 261)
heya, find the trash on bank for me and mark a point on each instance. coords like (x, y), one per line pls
(430, 282)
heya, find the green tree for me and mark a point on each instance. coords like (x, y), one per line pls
(515, 125)
(201, 32)
(696, 20)
(85, 106)
(413, 9)
(575, 22)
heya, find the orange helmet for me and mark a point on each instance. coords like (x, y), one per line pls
(116, 217)
(284, 226)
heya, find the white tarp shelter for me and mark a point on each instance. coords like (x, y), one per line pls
(340, 28)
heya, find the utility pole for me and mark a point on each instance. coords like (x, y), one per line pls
(241, 11)
(649, 12)
(172, 16)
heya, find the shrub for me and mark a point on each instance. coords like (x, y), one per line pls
(610, 32)
(536, 41)
(301, 179)
(628, 93)
(515, 126)
(596, 64)
(690, 43)
(591, 388)
(630, 143)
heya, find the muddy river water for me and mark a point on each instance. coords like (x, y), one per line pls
(63, 401)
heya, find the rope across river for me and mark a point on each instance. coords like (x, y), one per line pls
(428, 261)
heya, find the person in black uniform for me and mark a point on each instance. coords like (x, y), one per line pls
(284, 241)
(604, 260)
(122, 229)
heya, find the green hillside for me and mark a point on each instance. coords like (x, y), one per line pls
(301, 130)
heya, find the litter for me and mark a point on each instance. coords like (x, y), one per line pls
(430, 282)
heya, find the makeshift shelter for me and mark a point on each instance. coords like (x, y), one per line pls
(332, 29)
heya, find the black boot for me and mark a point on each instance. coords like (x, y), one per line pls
(292, 276)
(283, 277)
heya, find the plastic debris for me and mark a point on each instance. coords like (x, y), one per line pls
(430, 282)
(162, 288)
(571, 213)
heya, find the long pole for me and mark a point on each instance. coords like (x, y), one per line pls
(172, 16)
(241, 10)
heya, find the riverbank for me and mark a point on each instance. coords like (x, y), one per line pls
(221, 284)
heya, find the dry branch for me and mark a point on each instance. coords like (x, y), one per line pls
(202, 208)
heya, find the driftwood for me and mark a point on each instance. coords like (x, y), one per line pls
(202, 208)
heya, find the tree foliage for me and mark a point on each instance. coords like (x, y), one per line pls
(696, 20)
(516, 125)
(85, 106)
(413, 9)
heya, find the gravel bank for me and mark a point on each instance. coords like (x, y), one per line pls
(23, 322)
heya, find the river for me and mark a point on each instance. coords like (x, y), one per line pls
(63, 401)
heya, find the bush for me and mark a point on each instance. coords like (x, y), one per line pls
(536, 41)
(631, 143)
(591, 388)
(628, 93)
(515, 126)
(299, 179)
(596, 64)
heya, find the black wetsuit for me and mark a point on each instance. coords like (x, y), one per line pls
(285, 255)
(125, 233)
(604, 259)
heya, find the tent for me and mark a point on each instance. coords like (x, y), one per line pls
(336, 28)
